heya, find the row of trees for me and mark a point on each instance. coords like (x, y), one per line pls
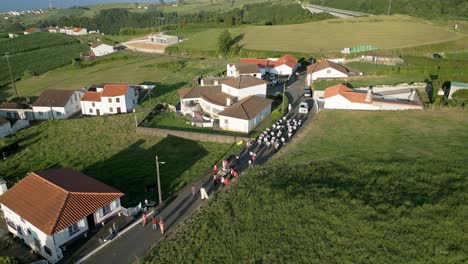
(111, 21)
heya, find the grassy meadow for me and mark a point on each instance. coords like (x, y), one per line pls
(331, 36)
(354, 187)
(108, 149)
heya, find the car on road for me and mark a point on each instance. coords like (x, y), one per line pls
(303, 108)
(307, 92)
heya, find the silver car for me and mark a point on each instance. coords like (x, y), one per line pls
(303, 108)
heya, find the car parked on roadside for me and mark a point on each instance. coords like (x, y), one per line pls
(303, 108)
(307, 92)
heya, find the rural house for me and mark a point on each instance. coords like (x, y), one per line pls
(49, 209)
(57, 104)
(99, 49)
(12, 110)
(235, 70)
(284, 66)
(326, 70)
(162, 39)
(110, 99)
(342, 97)
(233, 93)
(5, 127)
(31, 30)
(79, 31)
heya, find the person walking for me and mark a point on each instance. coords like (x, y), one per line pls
(250, 163)
(237, 161)
(203, 193)
(254, 159)
(155, 223)
(145, 219)
(225, 165)
(289, 107)
(215, 179)
(115, 226)
(161, 226)
(215, 169)
(194, 191)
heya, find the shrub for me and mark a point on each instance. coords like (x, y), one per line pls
(9, 260)
(460, 94)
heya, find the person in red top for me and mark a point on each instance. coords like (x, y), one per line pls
(236, 174)
(215, 169)
(226, 182)
(155, 223)
(145, 219)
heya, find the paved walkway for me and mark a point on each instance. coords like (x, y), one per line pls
(132, 246)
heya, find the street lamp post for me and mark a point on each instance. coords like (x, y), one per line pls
(159, 181)
(51, 111)
(11, 76)
(284, 94)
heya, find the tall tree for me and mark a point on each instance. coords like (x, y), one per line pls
(224, 42)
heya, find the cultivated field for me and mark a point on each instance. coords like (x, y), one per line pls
(331, 36)
(355, 187)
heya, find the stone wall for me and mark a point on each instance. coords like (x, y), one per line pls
(197, 136)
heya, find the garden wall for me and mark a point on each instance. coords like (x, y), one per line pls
(197, 136)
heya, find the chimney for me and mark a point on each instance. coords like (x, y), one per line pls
(369, 94)
(228, 101)
(3, 186)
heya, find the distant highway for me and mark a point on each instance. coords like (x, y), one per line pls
(333, 11)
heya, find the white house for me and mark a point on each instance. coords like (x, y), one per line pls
(229, 98)
(5, 127)
(16, 111)
(79, 31)
(245, 115)
(342, 97)
(101, 49)
(236, 70)
(31, 30)
(53, 29)
(326, 70)
(110, 99)
(163, 39)
(283, 66)
(57, 104)
(49, 209)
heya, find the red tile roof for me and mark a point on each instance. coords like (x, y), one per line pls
(243, 81)
(288, 60)
(54, 199)
(77, 29)
(92, 96)
(31, 30)
(327, 64)
(114, 90)
(348, 93)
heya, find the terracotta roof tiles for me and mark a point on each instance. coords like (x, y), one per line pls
(247, 108)
(348, 93)
(243, 81)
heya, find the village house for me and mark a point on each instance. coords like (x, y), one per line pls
(12, 110)
(236, 70)
(342, 97)
(31, 30)
(51, 208)
(326, 70)
(234, 93)
(284, 66)
(162, 39)
(57, 104)
(109, 100)
(53, 29)
(99, 49)
(79, 31)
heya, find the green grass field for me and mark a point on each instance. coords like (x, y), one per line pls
(108, 149)
(355, 187)
(168, 73)
(331, 36)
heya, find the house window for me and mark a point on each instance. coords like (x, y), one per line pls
(106, 209)
(226, 122)
(110, 109)
(76, 97)
(90, 110)
(10, 223)
(73, 229)
(93, 104)
(110, 100)
(29, 231)
(59, 114)
(328, 71)
(41, 113)
(22, 220)
(20, 231)
(133, 101)
(117, 100)
(47, 250)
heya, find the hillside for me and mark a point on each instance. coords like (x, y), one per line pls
(355, 187)
(421, 8)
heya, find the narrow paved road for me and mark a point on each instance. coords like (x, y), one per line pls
(134, 244)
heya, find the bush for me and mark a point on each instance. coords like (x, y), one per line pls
(28, 74)
(461, 94)
(9, 260)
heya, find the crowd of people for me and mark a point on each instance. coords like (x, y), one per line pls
(279, 133)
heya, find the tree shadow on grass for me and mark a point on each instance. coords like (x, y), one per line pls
(134, 168)
(163, 89)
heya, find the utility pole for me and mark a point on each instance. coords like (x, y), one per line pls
(12, 79)
(136, 121)
(284, 94)
(159, 181)
(51, 111)
(389, 7)
(50, 4)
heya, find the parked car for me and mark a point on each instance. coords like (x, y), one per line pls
(303, 108)
(307, 92)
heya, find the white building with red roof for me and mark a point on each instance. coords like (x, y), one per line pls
(342, 97)
(283, 66)
(79, 31)
(48, 209)
(109, 100)
(326, 70)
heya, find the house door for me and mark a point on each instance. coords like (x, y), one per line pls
(118, 110)
(98, 112)
(90, 219)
